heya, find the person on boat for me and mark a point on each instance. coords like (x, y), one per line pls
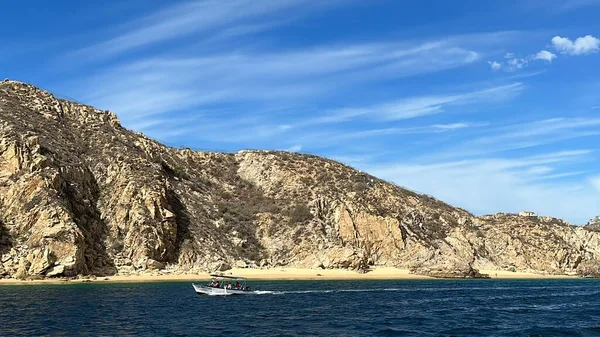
(217, 284)
(237, 285)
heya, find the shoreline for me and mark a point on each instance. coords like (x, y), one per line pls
(282, 274)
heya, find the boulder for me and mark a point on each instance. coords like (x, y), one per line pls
(219, 266)
(5, 258)
(154, 265)
(40, 261)
(240, 264)
(126, 270)
(56, 271)
(455, 270)
(589, 268)
(22, 269)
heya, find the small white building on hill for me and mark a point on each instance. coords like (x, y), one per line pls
(526, 213)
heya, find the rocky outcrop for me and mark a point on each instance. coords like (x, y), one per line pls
(81, 195)
(593, 224)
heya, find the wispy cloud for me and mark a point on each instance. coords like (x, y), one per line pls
(512, 64)
(414, 107)
(546, 127)
(340, 137)
(209, 17)
(524, 135)
(501, 184)
(495, 65)
(456, 126)
(428, 129)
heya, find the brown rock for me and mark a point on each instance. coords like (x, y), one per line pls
(154, 265)
(589, 269)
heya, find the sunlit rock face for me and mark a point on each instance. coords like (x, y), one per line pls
(81, 195)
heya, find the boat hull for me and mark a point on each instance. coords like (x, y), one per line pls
(211, 291)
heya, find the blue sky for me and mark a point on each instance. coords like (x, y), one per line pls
(488, 105)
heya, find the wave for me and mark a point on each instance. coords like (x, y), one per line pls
(471, 295)
(324, 291)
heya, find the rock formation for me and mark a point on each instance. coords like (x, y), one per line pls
(81, 195)
(593, 224)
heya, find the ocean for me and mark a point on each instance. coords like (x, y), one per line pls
(307, 308)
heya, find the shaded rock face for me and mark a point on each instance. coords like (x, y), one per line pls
(79, 194)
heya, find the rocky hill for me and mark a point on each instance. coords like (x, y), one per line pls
(79, 194)
(593, 224)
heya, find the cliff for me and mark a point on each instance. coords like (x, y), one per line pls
(79, 194)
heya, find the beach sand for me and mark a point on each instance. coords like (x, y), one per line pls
(379, 273)
(505, 274)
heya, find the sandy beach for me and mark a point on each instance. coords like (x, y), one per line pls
(505, 274)
(381, 273)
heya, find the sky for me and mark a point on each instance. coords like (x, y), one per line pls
(492, 106)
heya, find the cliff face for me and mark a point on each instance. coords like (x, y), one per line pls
(79, 194)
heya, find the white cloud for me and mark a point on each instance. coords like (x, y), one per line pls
(538, 170)
(545, 55)
(581, 46)
(454, 126)
(516, 64)
(511, 65)
(495, 66)
(328, 139)
(492, 185)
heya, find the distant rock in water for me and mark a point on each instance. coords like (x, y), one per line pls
(81, 195)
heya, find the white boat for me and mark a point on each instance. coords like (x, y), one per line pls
(223, 285)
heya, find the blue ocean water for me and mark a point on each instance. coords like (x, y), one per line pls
(308, 308)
